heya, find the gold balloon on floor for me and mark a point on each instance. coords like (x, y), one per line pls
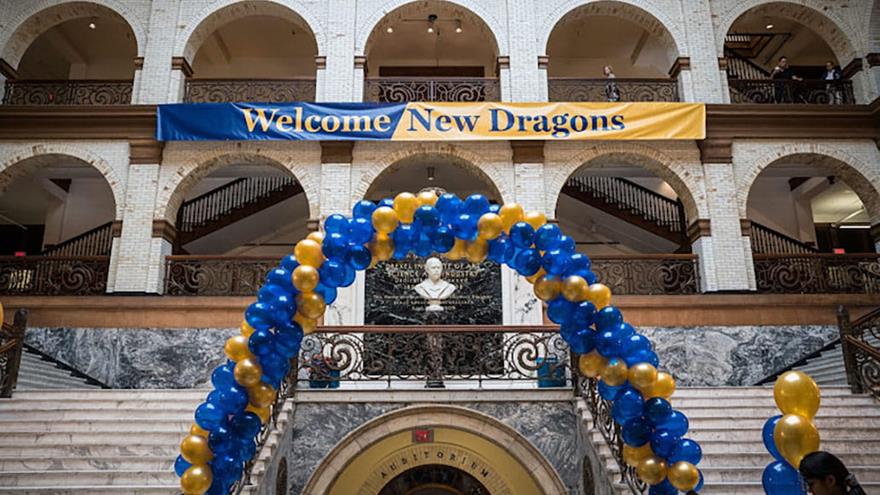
(575, 288)
(795, 437)
(195, 449)
(196, 480)
(642, 375)
(236, 348)
(305, 278)
(615, 372)
(547, 287)
(385, 220)
(796, 393)
(592, 364)
(651, 470)
(261, 395)
(311, 305)
(683, 475)
(308, 252)
(510, 213)
(634, 455)
(248, 372)
(489, 226)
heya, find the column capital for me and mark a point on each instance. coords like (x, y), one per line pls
(852, 68)
(873, 59)
(145, 151)
(527, 151)
(163, 229)
(181, 64)
(680, 64)
(336, 151)
(543, 62)
(138, 63)
(715, 150)
(503, 62)
(701, 227)
(745, 227)
(320, 62)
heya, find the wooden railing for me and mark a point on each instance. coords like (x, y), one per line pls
(214, 204)
(53, 276)
(454, 89)
(819, 91)
(769, 241)
(67, 92)
(861, 351)
(94, 242)
(249, 90)
(818, 273)
(742, 68)
(11, 345)
(580, 89)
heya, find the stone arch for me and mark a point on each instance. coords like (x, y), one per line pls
(858, 175)
(208, 20)
(496, 27)
(687, 184)
(40, 16)
(22, 161)
(457, 418)
(176, 181)
(826, 24)
(646, 14)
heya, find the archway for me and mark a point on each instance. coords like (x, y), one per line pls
(433, 170)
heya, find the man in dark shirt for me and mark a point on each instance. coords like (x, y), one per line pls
(781, 73)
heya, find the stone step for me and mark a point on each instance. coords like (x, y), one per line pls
(41, 368)
(768, 411)
(731, 392)
(742, 403)
(138, 449)
(822, 422)
(759, 458)
(134, 437)
(88, 490)
(741, 444)
(165, 477)
(96, 405)
(179, 425)
(134, 415)
(115, 394)
(84, 463)
(821, 365)
(754, 488)
(36, 382)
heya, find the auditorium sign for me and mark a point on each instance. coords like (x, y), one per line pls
(430, 121)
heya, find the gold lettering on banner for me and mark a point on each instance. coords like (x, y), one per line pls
(445, 455)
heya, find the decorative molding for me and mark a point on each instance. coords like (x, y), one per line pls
(873, 59)
(180, 63)
(527, 151)
(680, 64)
(313, 224)
(543, 62)
(116, 228)
(336, 151)
(165, 230)
(138, 63)
(701, 227)
(745, 227)
(722, 63)
(7, 70)
(503, 62)
(360, 62)
(145, 151)
(716, 150)
(854, 67)
(320, 62)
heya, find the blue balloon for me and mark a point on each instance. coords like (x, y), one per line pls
(288, 338)
(180, 465)
(389, 202)
(223, 466)
(335, 247)
(607, 391)
(663, 443)
(247, 424)
(449, 207)
(465, 227)
(218, 487)
(350, 275)
(676, 424)
(442, 240)
(663, 488)
(700, 483)
(568, 330)
(566, 244)
(281, 277)
(363, 209)
(361, 231)
(781, 479)
(547, 237)
(247, 449)
(275, 366)
(584, 314)
(475, 205)
(625, 331)
(404, 237)
(608, 317)
(589, 276)
(657, 409)
(767, 435)
(560, 310)
(522, 235)
(223, 375)
(608, 343)
(332, 272)
(686, 450)
(233, 398)
(268, 293)
(582, 341)
(498, 249)
(222, 440)
(628, 404)
(636, 432)
(554, 261)
(423, 246)
(328, 294)
(428, 218)
(261, 342)
(635, 344)
(359, 257)
(259, 315)
(336, 224)
(289, 263)
(527, 262)
(578, 262)
(649, 357)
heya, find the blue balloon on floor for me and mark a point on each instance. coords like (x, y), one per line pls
(781, 479)
(767, 435)
(637, 432)
(686, 450)
(522, 235)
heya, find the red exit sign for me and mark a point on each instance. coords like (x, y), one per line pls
(423, 436)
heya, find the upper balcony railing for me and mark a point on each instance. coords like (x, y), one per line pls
(69, 92)
(249, 90)
(446, 89)
(577, 89)
(839, 92)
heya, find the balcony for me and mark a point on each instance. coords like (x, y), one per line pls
(812, 91)
(249, 90)
(70, 92)
(446, 89)
(577, 89)
(818, 273)
(53, 275)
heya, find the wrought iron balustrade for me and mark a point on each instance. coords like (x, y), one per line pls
(455, 89)
(648, 274)
(601, 89)
(67, 92)
(215, 275)
(818, 273)
(53, 276)
(819, 91)
(388, 356)
(861, 351)
(11, 345)
(249, 90)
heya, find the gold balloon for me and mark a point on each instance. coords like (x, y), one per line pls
(534, 278)
(308, 324)
(599, 295)
(262, 412)
(261, 395)
(428, 198)
(683, 475)
(1, 314)
(196, 480)
(535, 219)
(405, 204)
(664, 386)
(458, 251)
(796, 393)
(248, 372)
(476, 251)
(311, 305)
(198, 430)
(634, 455)
(592, 364)
(382, 247)
(305, 278)
(547, 287)
(195, 449)
(316, 236)
(246, 329)
(642, 375)
(510, 213)
(795, 437)
(236, 348)
(575, 288)
(489, 226)
(385, 219)
(615, 372)
(308, 252)
(651, 470)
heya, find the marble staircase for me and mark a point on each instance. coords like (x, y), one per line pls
(727, 422)
(37, 373)
(827, 368)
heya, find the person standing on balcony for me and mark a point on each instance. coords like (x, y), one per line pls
(782, 73)
(612, 92)
(833, 75)
(825, 474)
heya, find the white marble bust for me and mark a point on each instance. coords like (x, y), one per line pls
(434, 289)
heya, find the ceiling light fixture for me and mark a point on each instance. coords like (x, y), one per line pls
(92, 25)
(458, 26)
(389, 30)
(430, 173)
(431, 20)
(769, 26)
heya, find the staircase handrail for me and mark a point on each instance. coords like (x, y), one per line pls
(66, 367)
(104, 232)
(861, 359)
(800, 247)
(11, 343)
(731, 54)
(183, 223)
(771, 378)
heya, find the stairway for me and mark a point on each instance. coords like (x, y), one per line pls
(827, 368)
(727, 423)
(93, 242)
(39, 373)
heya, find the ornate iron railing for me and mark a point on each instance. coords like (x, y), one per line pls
(769, 241)
(250, 90)
(67, 92)
(838, 92)
(11, 344)
(818, 273)
(478, 354)
(215, 275)
(53, 276)
(861, 351)
(577, 89)
(648, 274)
(405, 89)
(94, 242)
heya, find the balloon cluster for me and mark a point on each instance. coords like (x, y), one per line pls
(789, 437)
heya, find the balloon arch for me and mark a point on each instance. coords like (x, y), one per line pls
(296, 293)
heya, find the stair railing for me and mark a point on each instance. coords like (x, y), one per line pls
(11, 344)
(739, 67)
(66, 367)
(861, 354)
(221, 201)
(94, 242)
(769, 241)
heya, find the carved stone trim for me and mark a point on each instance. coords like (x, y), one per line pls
(543, 62)
(360, 62)
(138, 63)
(722, 63)
(701, 227)
(7, 70)
(116, 228)
(320, 62)
(680, 64)
(164, 230)
(503, 62)
(527, 151)
(180, 63)
(745, 226)
(336, 151)
(854, 67)
(716, 150)
(145, 151)
(873, 59)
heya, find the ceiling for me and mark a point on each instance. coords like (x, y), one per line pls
(802, 47)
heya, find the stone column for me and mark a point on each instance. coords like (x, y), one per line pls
(864, 86)
(725, 87)
(705, 83)
(681, 72)
(504, 82)
(320, 77)
(526, 82)
(358, 83)
(521, 305)
(116, 232)
(139, 259)
(136, 80)
(543, 86)
(154, 81)
(180, 71)
(335, 197)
